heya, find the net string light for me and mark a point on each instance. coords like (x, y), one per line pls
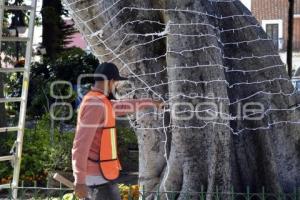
(163, 35)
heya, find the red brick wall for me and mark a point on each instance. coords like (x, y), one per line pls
(297, 6)
(296, 34)
(277, 9)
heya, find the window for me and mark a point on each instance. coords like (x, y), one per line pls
(274, 30)
(273, 33)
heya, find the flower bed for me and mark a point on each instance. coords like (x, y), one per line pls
(126, 191)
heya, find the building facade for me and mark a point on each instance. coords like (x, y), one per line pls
(273, 16)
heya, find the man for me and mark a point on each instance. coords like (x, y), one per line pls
(95, 161)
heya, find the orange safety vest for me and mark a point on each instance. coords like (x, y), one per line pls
(109, 163)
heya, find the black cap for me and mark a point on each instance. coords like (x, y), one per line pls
(108, 71)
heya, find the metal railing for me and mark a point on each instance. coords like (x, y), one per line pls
(67, 194)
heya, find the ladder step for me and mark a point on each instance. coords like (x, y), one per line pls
(14, 39)
(11, 70)
(11, 99)
(7, 158)
(8, 129)
(5, 186)
(13, 7)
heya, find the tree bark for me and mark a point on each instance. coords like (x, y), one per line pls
(157, 46)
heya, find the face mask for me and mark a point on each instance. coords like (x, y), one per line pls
(111, 95)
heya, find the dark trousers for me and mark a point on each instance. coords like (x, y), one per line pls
(107, 191)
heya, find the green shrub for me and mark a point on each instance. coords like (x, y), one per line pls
(68, 66)
(39, 154)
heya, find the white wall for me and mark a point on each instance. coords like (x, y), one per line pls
(247, 3)
(296, 59)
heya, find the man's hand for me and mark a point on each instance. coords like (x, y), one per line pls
(159, 104)
(81, 190)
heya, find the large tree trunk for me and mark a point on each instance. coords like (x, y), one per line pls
(204, 52)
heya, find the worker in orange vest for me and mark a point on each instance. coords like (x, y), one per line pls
(95, 160)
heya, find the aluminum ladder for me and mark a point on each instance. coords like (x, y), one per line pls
(16, 156)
